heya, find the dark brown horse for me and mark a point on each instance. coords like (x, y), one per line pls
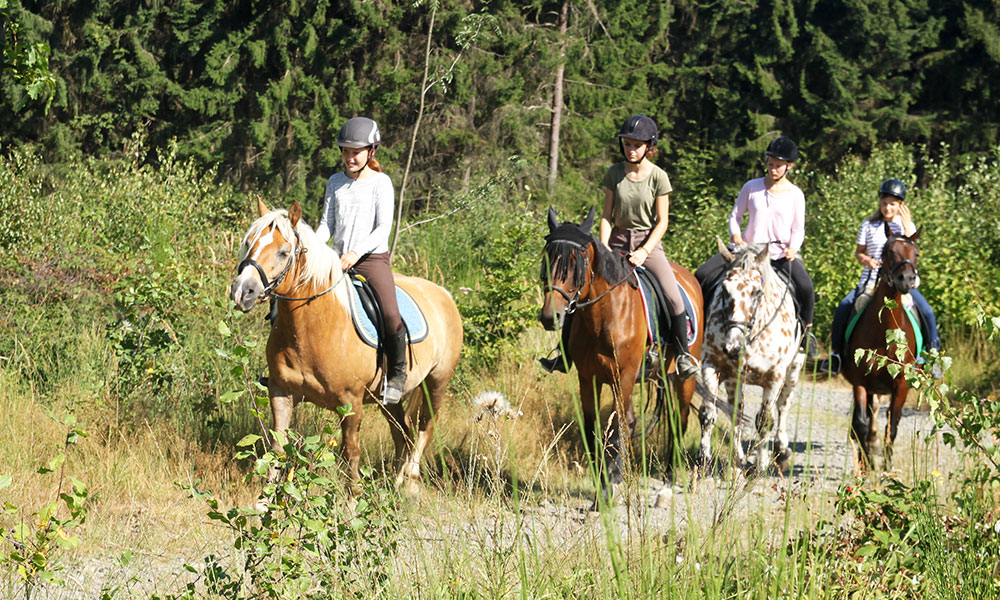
(896, 277)
(607, 335)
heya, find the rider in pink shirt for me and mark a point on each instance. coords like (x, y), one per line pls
(773, 217)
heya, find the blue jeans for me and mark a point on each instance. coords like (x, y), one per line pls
(842, 314)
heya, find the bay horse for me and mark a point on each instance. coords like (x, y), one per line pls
(314, 353)
(751, 337)
(884, 312)
(607, 337)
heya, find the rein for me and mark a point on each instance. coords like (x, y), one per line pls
(747, 327)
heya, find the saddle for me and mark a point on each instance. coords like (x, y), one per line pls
(658, 318)
(366, 313)
(916, 321)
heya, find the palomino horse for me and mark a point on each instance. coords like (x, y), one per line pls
(751, 337)
(607, 336)
(314, 353)
(897, 276)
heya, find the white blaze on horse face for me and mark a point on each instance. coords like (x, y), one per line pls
(248, 274)
(740, 317)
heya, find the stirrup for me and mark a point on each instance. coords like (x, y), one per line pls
(830, 365)
(554, 364)
(392, 392)
(687, 366)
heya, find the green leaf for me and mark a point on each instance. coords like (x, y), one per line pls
(248, 440)
(5, 481)
(224, 330)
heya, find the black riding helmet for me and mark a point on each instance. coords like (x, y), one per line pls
(783, 148)
(638, 127)
(892, 187)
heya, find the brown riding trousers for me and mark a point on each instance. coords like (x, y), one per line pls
(627, 240)
(377, 270)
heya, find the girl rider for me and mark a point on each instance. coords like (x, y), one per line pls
(777, 210)
(357, 211)
(635, 216)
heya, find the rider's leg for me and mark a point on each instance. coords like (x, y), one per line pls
(930, 321)
(708, 275)
(841, 315)
(562, 361)
(659, 266)
(806, 298)
(376, 269)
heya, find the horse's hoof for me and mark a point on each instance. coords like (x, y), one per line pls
(409, 489)
(783, 459)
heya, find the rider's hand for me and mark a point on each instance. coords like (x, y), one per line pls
(790, 253)
(348, 260)
(872, 263)
(638, 256)
(904, 216)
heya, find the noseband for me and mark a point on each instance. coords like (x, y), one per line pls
(268, 290)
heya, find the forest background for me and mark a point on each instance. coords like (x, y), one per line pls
(135, 136)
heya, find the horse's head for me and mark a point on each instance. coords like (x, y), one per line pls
(271, 248)
(747, 280)
(899, 260)
(569, 249)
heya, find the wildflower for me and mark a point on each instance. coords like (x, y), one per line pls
(936, 473)
(495, 404)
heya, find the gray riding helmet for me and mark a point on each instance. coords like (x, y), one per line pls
(359, 132)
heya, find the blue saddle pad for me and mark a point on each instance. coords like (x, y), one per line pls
(414, 318)
(692, 326)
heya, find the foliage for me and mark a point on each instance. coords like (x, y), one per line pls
(36, 539)
(26, 62)
(259, 91)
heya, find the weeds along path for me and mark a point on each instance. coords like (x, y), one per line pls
(823, 461)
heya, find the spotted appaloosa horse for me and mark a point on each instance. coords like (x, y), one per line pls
(314, 353)
(751, 337)
(897, 276)
(607, 337)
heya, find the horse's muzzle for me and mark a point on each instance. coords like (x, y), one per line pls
(245, 291)
(552, 320)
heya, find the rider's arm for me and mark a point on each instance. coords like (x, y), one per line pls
(863, 258)
(606, 216)
(662, 218)
(736, 215)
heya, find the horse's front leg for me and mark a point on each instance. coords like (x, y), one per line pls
(860, 426)
(782, 451)
(708, 414)
(900, 388)
(620, 425)
(350, 427)
(765, 421)
(282, 408)
(734, 391)
(590, 394)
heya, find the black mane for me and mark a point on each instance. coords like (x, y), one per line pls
(567, 242)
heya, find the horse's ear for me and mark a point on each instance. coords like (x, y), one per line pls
(262, 208)
(764, 254)
(553, 221)
(295, 213)
(726, 254)
(916, 234)
(588, 223)
(888, 230)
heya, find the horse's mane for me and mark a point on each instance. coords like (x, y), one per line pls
(746, 259)
(568, 241)
(323, 262)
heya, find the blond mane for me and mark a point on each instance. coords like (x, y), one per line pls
(322, 263)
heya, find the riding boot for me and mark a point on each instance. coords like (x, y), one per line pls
(687, 364)
(560, 363)
(809, 343)
(395, 354)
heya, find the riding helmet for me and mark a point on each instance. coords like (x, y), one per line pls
(359, 132)
(892, 187)
(783, 148)
(639, 127)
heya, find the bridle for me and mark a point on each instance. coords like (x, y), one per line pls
(745, 327)
(268, 292)
(573, 302)
(889, 273)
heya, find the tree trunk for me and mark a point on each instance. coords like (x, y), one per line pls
(557, 98)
